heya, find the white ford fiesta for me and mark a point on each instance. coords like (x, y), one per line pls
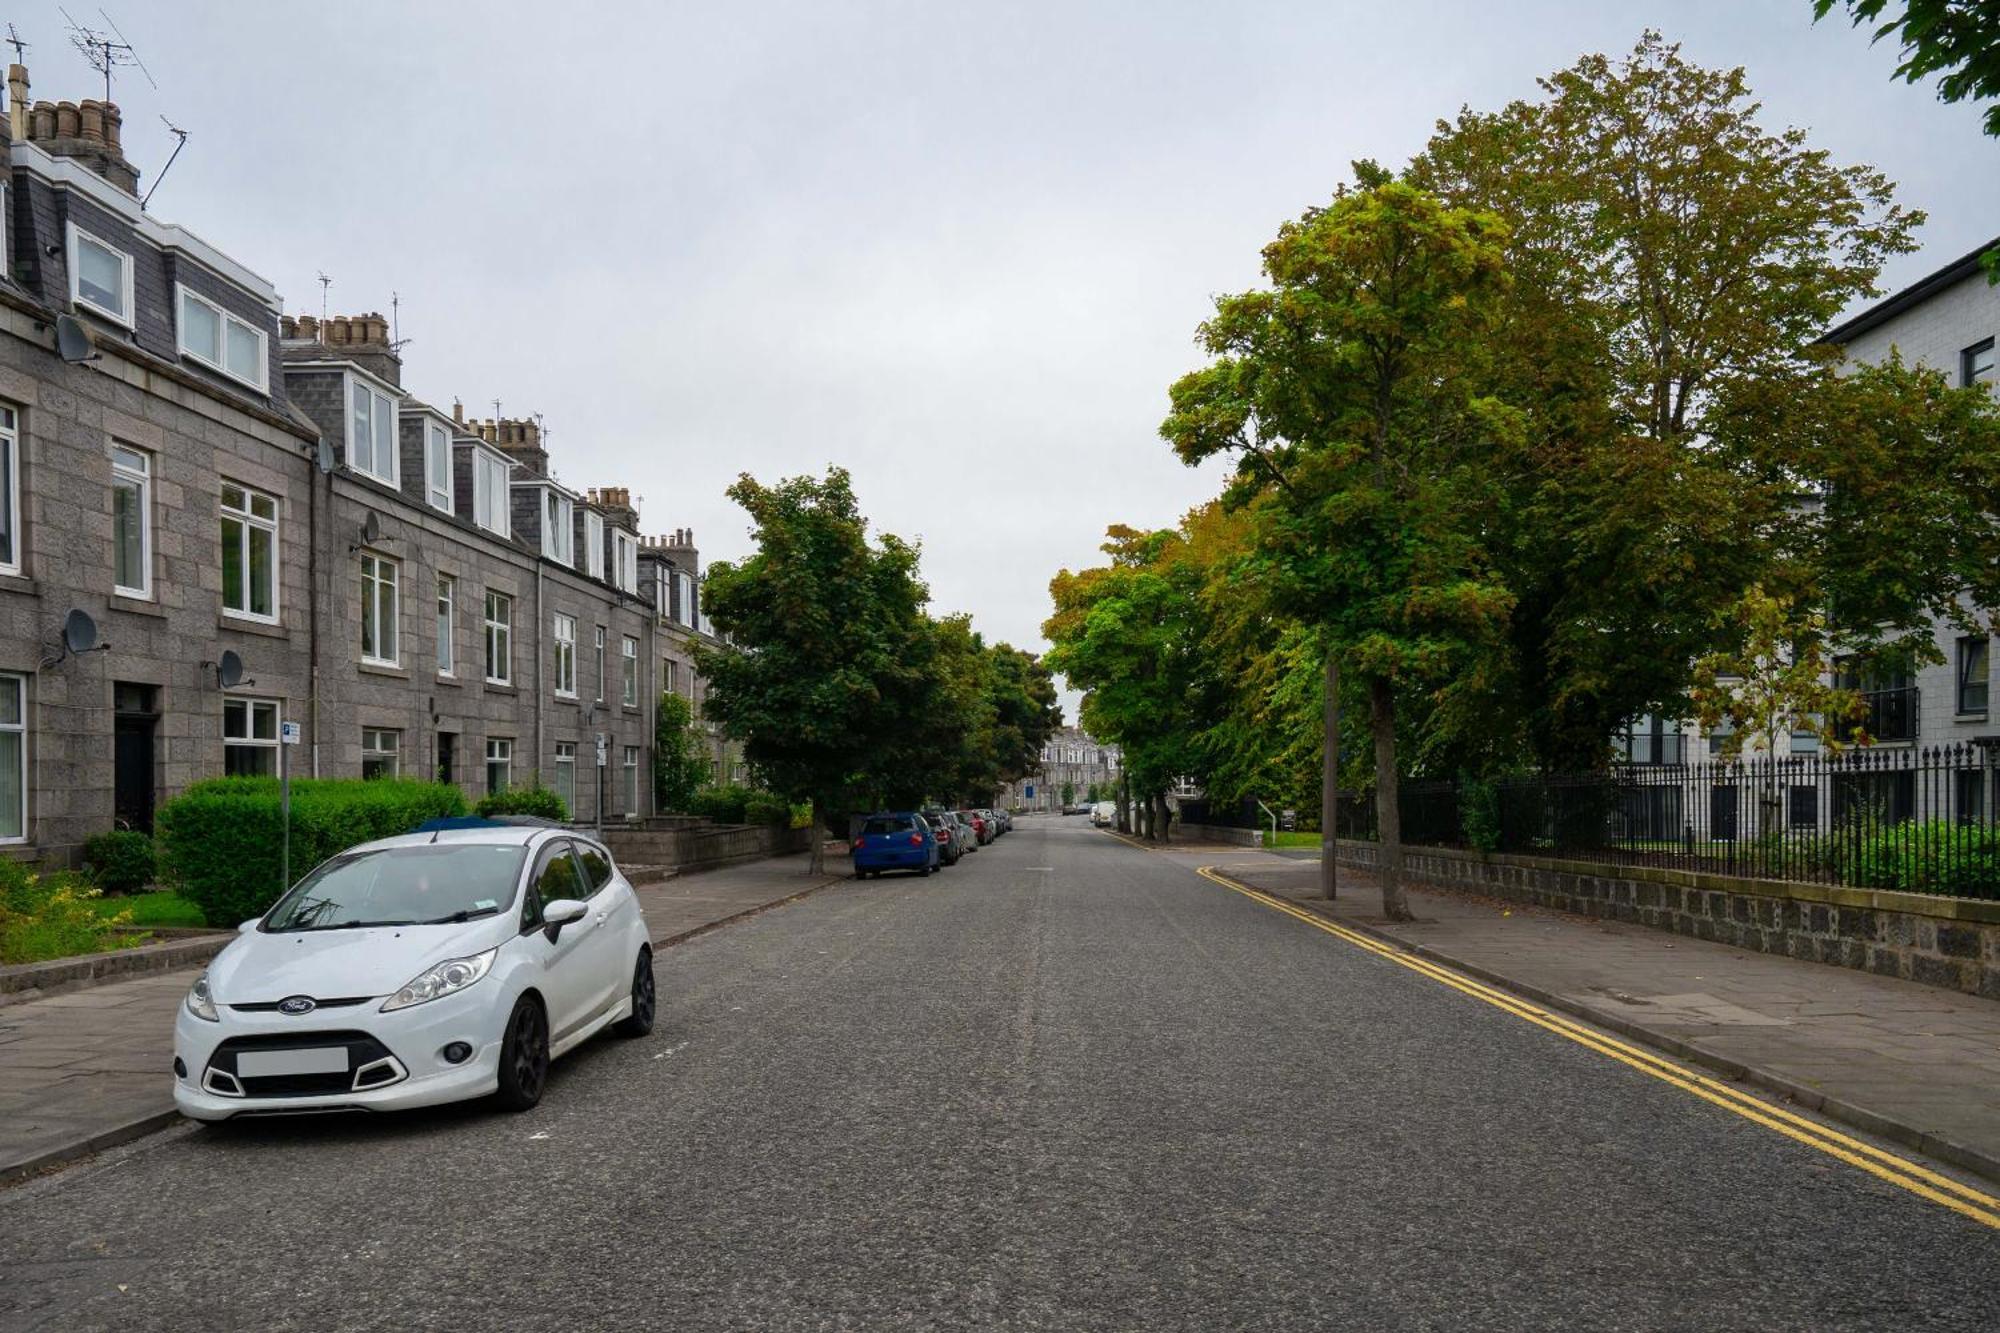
(427, 968)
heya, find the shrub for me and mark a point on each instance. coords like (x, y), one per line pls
(44, 916)
(762, 807)
(537, 800)
(679, 754)
(1479, 809)
(120, 861)
(221, 841)
(1932, 856)
(725, 805)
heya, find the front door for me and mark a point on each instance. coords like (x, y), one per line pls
(447, 757)
(132, 755)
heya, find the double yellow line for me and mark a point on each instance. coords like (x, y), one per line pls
(1898, 1171)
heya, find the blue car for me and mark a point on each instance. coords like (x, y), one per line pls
(899, 840)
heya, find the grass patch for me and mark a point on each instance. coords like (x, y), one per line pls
(1294, 839)
(161, 907)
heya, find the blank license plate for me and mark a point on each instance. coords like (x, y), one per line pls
(311, 1060)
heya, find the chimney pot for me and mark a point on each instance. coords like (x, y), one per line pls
(68, 120)
(90, 120)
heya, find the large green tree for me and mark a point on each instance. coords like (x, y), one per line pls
(827, 653)
(1351, 393)
(680, 765)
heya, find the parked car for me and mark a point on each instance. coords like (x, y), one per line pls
(983, 829)
(950, 847)
(895, 840)
(427, 968)
(1104, 814)
(992, 818)
(968, 836)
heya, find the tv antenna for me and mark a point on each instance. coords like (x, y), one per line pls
(20, 46)
(104, 54)
(324, 283)
(181, 136)
(396, 341)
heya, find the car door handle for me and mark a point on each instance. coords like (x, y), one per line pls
(600, 918)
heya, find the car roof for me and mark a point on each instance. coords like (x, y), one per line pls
(497, 835)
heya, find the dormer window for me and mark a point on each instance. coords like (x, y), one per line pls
(593, 543)
(558, 532)
(624, 560)
(489, 492)
(100, 278)
(371, 431)
(437, 466)
(219, 340)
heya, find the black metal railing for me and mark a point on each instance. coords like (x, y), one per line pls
(1920, 820)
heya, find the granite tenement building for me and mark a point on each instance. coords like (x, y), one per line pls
(266, 528)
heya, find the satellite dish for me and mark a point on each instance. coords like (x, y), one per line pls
(371, 528)
(73, 340)
(79, 631)
(323, 457)
(229, 671)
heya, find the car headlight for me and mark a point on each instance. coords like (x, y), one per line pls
(441, 979)
(199, 1002)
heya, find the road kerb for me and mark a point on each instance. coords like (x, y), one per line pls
(1913, 1177)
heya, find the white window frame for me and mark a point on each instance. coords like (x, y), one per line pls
(18, 685)
(490, 493)
(501, 631)
(593, 541)
(248, 518)
(223, 319)
(379, 401)
(625, 559)
(628, 671)
(76, 236)
(558, 526)
(437, 445)
(566, 759)
(447, 625)
(142, 477)
(564, 634)
(10, 478)
(687, 614)
(631, 779)
(394, 586)
(250, 739)
(500, 750)
(372, 748)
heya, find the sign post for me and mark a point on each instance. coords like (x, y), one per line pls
(288, 736)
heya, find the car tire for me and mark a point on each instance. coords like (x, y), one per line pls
(524, 1056)
(640, 1021)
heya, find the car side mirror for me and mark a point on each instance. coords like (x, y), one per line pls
(560, 913)
(249, 925)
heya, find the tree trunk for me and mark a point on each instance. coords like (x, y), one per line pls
(816, 853)
(1388, 816)
(1163, 819)
(1329, 779)
(1146, 817)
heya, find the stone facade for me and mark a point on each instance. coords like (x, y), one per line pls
(1069, 757)
(1948, 942)
(222, 404)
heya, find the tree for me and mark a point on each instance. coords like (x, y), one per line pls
(826, 649)
(679, 765)
(1349, 394)
(1773, 682)
(1672, 259)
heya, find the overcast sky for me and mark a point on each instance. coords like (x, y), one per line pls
(959, 249)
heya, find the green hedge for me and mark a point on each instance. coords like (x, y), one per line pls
(120, 861)
(1932, 856)
(221, 841)
(763, 808)
(537, 801)
(725, 805)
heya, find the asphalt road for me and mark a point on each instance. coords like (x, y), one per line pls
(1067, 1084)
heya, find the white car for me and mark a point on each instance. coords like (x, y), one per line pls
(415, 970)
(1104, 814)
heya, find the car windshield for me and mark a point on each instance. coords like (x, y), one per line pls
(431, 884)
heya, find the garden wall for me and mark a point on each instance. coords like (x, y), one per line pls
(1949, 942)
(699, 845)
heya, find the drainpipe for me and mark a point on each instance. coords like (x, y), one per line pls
(539, 655)
(313, 478)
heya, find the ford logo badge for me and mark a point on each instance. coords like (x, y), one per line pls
(297, 1004)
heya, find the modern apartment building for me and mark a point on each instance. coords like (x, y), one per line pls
(271, 533)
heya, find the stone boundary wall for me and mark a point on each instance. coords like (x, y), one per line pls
(1953, 943)
(1241, 837)
(703, 847)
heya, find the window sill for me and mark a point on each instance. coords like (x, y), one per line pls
(136, 606)
(569, 700)
(451, 682)
(1980, 716)
(498, 687)
(384, 669)
(263, 627)
(20, 584)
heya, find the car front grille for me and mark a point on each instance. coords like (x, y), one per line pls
(271, 1006)
(370, 1064)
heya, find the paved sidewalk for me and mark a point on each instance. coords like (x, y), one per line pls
(84, 1070)
(1913, 1063)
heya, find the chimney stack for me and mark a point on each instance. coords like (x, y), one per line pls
(17, 103)
(362, 339)
(90, 132)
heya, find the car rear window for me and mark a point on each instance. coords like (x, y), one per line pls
(887, 824)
